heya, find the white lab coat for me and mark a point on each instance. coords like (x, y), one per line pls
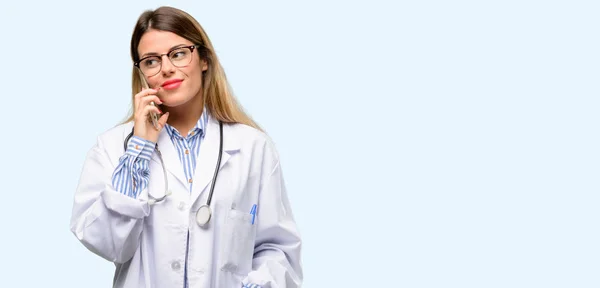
(147, 243)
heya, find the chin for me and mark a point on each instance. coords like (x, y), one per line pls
(178, 97)
(171, 103)
(174, 101)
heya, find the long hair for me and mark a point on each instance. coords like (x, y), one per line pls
(217, 95)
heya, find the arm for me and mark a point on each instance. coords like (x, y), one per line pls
(276, 260)
(108, 222)
(131, 175)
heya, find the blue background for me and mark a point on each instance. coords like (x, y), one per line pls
(424, 143)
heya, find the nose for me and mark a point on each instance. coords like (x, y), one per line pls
(167, 66)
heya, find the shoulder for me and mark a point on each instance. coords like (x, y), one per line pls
(109, 145)
(112, 139)
(253, 140)
(248, 133)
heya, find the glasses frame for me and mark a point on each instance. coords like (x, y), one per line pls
(160, 56)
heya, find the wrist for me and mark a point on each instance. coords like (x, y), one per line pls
(140, 147)
(146, 137)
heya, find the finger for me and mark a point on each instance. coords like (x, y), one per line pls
(137, 98)
(150, 109)
(143, 93)
(144, 114)
(145, 101)
(162, 121)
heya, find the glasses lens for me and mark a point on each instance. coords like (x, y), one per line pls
(181, 57)
(150, 65)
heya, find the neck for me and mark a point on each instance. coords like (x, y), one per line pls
(185, 117)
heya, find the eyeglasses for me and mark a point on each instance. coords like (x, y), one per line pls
(179, 57)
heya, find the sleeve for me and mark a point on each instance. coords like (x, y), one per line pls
(276, 262)
(132, 174)
(104, 220)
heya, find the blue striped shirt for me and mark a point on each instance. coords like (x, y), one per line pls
(188, 148)
(132, 173)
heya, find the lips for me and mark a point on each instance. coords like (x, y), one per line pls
(171, 84)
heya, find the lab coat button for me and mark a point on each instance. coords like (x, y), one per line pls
(181, 205)
(175, 265)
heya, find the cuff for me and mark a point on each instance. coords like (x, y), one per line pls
(258, 279)
(140, 148)
(124, 205)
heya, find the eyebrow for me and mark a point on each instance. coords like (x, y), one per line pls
(154, 53)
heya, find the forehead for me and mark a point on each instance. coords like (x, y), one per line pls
(156, 41)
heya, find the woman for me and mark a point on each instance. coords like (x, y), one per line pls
(145, 188)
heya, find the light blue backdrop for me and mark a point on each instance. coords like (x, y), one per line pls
(424, 143)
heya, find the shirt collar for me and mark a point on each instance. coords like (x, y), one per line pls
(199, 129)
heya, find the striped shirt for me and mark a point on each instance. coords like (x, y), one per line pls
(133, 172)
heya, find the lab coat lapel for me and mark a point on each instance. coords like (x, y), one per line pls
(208, 157)
(170, 157)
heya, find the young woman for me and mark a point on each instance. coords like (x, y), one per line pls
(189, 191)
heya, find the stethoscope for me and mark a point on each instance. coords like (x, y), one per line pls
(204, 212)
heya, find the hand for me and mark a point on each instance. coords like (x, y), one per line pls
(143, 126)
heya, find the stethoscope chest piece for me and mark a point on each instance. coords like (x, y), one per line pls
(203, 215)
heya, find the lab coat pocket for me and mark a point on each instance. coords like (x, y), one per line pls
(237, 242)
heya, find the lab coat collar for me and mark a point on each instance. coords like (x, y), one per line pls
(208, 156)
(170, 157)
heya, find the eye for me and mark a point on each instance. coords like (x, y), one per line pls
(150, 62)
(179, 54)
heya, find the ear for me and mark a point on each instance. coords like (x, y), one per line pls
(203, 65)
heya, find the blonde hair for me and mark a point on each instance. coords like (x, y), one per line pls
(217, 96)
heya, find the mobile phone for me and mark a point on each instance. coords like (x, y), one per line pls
(153, 116)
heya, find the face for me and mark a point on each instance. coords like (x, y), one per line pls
(176, 85)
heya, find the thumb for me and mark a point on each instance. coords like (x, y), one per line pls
(163, 119)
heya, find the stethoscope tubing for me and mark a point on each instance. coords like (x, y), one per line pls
(214, 180)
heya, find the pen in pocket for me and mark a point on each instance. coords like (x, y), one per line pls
(253, 212)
